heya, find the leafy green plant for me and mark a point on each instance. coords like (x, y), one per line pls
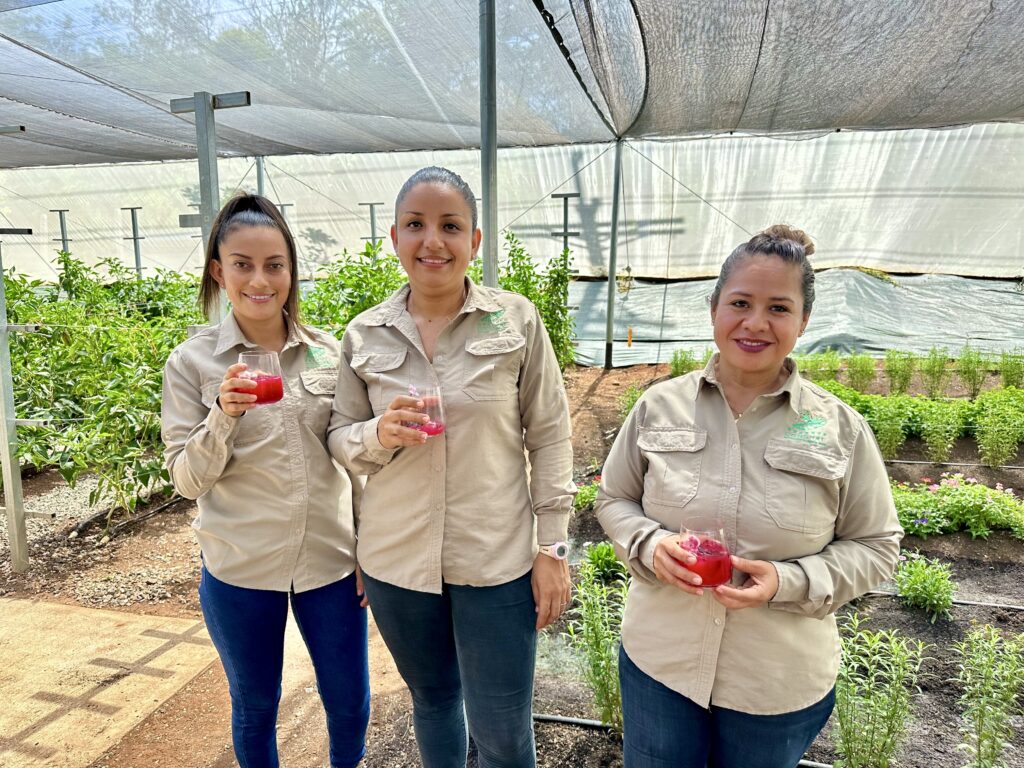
(889, 421)
(991, 674)
(878, 675)
(820, 366)
(971, 368)
(899, 369)
(605, 563)
(957, 503)
(1011, 368)
(926, 584)
(586, 494)
(593, 630)
(628, 399)
(683, 361)
(1000, 424)
(935, 372)
(942, 421)
(860, 371)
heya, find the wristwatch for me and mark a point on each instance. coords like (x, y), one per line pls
(559, 550)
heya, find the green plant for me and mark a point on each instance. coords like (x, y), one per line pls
(925, 584)
(889, 420)
(586, 494)
(594, 631)
(1000, 424)
(1011, 368)
(935, 372)
(957, 503)
(991, 674)
(971, 367)
(899, 369)
(878, 676)
(605, 563)
(942, 421)
(820, 366)
(628, 399)
(683, 361)
(860, 371)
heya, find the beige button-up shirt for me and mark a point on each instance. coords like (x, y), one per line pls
(798, 480)
(275, 512)
(460, 509)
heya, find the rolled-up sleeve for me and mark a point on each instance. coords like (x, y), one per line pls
(198, 438)
(864, 550)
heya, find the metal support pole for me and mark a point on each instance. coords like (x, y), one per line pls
(609, 333)
(13, 503)
(489, 141)
(135, 238)
(565, 234)
(373, 223)
(283, 208)
(63, 228)
(261, 177)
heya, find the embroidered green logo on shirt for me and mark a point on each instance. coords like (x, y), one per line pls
(316, 357)
(808, 429)
(493, 322)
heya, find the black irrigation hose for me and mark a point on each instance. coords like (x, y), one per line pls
(539, 717)
(1006, 606)
(951, 464)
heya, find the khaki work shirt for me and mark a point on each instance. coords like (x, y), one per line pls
(460, 509)
(799, 481)
(275, 512)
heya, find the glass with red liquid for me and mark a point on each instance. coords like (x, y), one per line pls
(433, 406)
(265, 369)
(706, 540)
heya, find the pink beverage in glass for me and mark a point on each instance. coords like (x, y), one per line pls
(265, 369)
(708, 545)
(433, 406)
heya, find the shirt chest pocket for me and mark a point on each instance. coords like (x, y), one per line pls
(381, 370)
(802, 487)
(317, 394)
(492, 367)
(674, 458)
(253, 426)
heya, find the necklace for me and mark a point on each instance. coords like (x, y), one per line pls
(447, 318)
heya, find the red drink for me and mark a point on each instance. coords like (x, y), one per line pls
(713, 564)
(431, 428)
(269, 389)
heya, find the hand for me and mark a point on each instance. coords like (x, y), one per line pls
(760, 586)
(364, 601)
(231, 401)
(670, 561)
(391, 432)
(552, 588)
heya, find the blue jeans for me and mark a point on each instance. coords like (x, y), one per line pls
(664, 729)
(472, 644)
(247, 628)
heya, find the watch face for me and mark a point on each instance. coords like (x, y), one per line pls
(560, 550)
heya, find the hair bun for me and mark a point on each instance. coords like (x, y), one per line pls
(786, 232)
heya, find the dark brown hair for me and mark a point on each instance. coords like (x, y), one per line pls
(791, 245)
(247, 210)
(435, 174)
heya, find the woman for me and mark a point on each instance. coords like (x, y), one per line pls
(275, 515)
(742, 675)
(462, 549)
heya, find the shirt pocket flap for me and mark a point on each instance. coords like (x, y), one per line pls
(210, 392)
(320, 381)
(688, 440)
(377, 362)
(495, 345)
(784, 456)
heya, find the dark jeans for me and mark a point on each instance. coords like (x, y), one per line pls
(664, 729)
(472, 644)
(247, 628)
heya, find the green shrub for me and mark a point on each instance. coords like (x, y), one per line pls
(819, 366)
(888, 419)
(925, 584)
(899, 369)
(999, 424)
(605, 563)
(957, 503)
(860, 371)
(1011, 368)
(971, 367)
(878, 675)
(683, 361)
(628, 399)
(935, 372)
(942, 421)
(586, 494)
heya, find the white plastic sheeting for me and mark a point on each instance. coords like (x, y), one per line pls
(944, 201)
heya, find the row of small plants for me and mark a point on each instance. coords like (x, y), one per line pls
(879, 670)
(958, 503)
(92, 372)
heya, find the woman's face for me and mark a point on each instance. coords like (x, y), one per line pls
(434, 238)
(759, 315)
(255, 271)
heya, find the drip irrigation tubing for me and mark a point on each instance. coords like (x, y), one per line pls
(951, 464)
(540, 717)
(1005, 606)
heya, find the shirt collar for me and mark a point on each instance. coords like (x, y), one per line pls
(230, 335)
(478, 297)
(791, 386)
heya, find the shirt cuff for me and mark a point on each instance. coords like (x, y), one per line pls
(220, 424)
(376, 452)
(793, 583)
(552, 527)
(646, 550)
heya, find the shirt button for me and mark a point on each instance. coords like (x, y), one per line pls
(732, 489)
(718, 622)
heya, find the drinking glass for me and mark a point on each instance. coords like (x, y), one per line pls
(705, 538)
(433, 406)
(265, 369)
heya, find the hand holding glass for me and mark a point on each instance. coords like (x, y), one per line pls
(705, 539)
(433, 406)
(265, 369)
